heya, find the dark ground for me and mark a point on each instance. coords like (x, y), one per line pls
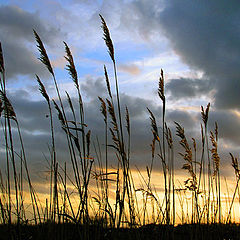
(147, 232)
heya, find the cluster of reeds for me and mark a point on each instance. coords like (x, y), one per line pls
(124, 209)
(111, 109)
(78, 142)
(204, 181)
(166, 156)
(12, 187)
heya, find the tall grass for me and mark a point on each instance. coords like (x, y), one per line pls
(197, 200)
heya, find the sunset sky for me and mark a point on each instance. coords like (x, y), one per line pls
(196, 43)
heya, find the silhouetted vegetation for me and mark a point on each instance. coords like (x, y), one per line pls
(133, 212)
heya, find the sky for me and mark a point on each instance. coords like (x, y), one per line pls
(196, 43)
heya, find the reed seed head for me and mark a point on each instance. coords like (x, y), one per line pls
(107, 38)
(187, 156)
(71, 66)
(103, 109)
(69, 102)
(115, 140)
(205, 114)
(7, 107)
(235, 165)
(161, 87)
(153, 124)
(216, 131)
(60, 115)
(42, 89)
(194, 144)
(1, 108)
(111, 111)
(214, 151)
(1, 59)
(43, 53)
(152, 145)
(107, 82)
(127, 121)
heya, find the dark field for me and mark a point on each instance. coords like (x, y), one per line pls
(148, 232)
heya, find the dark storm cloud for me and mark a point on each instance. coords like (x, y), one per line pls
(229, 125)
(182, 117)
(18, 43)
(187, 88)
(141, 136)
(35, 126)
(206, 35)
(93, 88)
(31, 114)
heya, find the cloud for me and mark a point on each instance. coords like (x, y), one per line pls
(93, 88)
(206, 36)
(130, 68)
(229, 125)
(35, 126)
(185, 88)
(201, 33)
(16, 30)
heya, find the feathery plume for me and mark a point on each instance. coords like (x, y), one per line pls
(216, 131)
(194, 144)
(42, 89)
(7, 106)
(107, 82)
(205, 113)
(107, 38)
(187, 157)
(1, 59)
(214, 151)
(154, 125)
(1, 108)
(70, 102)
(115, 140)
(60, 115)
(71, 66)
(169, 137)
(161, 87)
(113, 116)
(103, 109)
(235, 165)
(43, 53)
